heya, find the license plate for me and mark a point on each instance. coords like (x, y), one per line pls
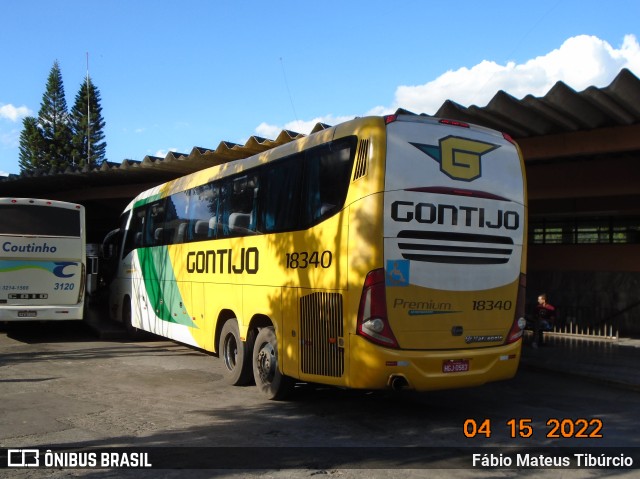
(29, 296)
(455, 366)
(27, 314)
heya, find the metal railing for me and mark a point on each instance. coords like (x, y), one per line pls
(586, 322)
(572, 327)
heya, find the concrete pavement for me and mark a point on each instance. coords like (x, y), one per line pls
(612, 361)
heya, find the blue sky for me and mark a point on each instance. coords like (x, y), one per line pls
(175, 75)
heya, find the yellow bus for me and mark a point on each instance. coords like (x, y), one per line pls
(384, 252)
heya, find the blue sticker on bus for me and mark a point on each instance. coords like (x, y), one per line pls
(397, 272)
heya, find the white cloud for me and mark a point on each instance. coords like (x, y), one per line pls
(13, 113)
(299, 126)
(163, 153)
(268, 131)
(580, 62)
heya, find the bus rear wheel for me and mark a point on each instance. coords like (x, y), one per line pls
(234, 354)
(269, 380)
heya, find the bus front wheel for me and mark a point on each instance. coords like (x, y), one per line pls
(269, 380)
(234, 354)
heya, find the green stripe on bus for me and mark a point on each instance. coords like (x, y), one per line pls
(147, 200)
(155, 265)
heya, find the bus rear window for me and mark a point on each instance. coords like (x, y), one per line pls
(35, 220)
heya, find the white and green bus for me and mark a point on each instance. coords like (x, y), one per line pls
(384, 252)
(42, 260)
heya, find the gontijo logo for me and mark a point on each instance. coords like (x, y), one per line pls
(459, 158)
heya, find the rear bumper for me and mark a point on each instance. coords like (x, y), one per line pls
(41, 313)
(374, 367)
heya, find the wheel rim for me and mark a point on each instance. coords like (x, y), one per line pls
(230, 352)
(267, 363)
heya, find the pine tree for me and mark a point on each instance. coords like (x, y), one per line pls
(31, 145)
(87, 146)
(53, 121)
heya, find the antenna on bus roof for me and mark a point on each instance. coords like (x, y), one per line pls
(286, 84)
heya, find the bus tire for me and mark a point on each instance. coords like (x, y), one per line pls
(233, 352)
(269, 380)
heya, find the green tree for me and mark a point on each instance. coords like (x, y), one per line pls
(53, 120)
(88, 145)
(31, 145)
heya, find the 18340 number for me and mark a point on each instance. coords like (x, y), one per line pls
(304, 259)
(488, 305)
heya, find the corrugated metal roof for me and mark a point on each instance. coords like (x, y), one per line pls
(561, 110)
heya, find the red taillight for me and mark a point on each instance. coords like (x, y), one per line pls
(373, 323)
(507, 137)
(445, 190)
(519, 321)
(390, 119)
(462, 124)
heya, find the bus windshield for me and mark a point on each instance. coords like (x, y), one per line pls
(39, 220)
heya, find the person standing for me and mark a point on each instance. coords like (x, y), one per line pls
(545, 317)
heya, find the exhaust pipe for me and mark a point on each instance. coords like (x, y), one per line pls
(398, 383)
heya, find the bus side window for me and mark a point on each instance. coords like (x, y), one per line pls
(158, 236)
(134, 233)
(201, 230)
(175, 218)
(327, 177)
(181, 232)
(280, 195)
(212, 232)
(154, 225)
(202, 209)
(239, 223)
(110, 253)
(239, 198)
